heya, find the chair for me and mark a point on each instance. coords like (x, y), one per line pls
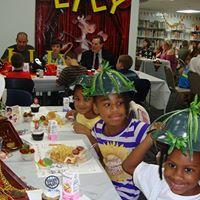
(143, 87)
(194, 79)
(183, 93)
(18, 97)
(154, 68)
(20, 84)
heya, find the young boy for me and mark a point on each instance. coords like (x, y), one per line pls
(17, 61)
(124, 63)
(54, 56)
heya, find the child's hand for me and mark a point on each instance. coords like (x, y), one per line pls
(70, 114)
(79, 128)
(156, 125)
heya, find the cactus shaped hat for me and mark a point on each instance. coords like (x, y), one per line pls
(82, 80)
(180, 129)
(109, 81)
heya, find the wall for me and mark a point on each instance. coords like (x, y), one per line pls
(19, 15)
(178, 26)
(16, 16)
(133, 29)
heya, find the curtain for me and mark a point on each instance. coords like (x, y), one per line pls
(60, 23)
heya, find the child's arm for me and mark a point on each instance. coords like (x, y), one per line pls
(137, 155)
(80, 128)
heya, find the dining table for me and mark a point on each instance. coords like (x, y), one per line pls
(159, 93)
(154, 67)
(94, 181)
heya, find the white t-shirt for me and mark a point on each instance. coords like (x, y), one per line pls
(146, 178)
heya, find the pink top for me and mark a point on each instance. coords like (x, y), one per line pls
(171, 58)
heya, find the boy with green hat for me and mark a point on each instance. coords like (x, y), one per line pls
(179, 142)
(117, 133)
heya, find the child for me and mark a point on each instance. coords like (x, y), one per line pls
(179, 141)
(17, 61)
(124, 63)
(85, 117)
(117, 133)
(54, 56)
(71, 72)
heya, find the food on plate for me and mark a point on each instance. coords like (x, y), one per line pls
(11, 145)
(28, 116)
(65, 154)
(45, 162)
(52, 116)
(27, 153)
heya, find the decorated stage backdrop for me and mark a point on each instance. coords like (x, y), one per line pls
(75, 22)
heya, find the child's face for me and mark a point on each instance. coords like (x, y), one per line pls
(182, 174)
(83, 105)
(56, 48)
(119, 65)
(112, 110)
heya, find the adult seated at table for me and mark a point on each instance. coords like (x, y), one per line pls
(22, 47)
(92, 58)
(184, 51)
(17, 61)
(169, 54)
(124, 63)
(145, 51)
(54, 57)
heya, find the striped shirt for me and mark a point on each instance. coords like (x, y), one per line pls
(69, 75)
(115, 150)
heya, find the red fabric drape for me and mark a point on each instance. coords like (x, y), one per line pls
(52, 23)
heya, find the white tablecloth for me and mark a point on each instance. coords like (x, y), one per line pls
(148, 66)
(46, 84)
(94, 185)
(159, 93)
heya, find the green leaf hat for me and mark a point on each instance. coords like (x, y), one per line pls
(82, 80)
(109, 81)
(180, 129)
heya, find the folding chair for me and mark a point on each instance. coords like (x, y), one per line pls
(143, 87)
(194, 79)
(18, 97)
(20, 84)
(180, 93)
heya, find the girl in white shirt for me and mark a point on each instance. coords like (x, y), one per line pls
(178, 175)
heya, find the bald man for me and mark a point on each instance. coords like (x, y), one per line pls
(21, 47)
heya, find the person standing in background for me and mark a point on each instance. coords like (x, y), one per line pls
(92, 58)
(22, 47)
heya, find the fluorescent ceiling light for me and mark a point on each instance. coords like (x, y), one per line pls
(188, 11)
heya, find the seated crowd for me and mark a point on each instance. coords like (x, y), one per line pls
(102, 111)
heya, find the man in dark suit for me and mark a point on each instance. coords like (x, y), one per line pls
(92, 58)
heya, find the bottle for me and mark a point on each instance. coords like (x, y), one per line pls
(71, 186)
(66, 102)
(52, 130)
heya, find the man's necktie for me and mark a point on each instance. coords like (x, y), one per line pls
(96, 62)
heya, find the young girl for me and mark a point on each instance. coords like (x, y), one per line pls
(85, 117)
(179, 141)
(117, 133)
